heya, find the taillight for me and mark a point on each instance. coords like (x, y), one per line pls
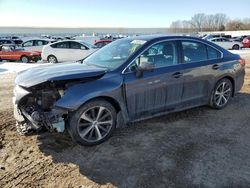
(246, 40)
(242, 62)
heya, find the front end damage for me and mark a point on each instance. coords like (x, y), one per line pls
(34, 108)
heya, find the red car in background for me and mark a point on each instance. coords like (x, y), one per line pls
(13, 53)
(101, 43)
(246, 42)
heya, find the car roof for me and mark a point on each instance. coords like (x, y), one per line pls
(104, 40)
(159, 37)
(219, 38)
(39, 39)
(79, 41)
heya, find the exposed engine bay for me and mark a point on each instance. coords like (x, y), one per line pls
(37, 109)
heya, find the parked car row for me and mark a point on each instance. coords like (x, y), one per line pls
(67, 50)
(49, 50)
(14, 53)
(13, 40)
(228, 42)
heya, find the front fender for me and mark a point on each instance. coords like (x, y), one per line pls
(79, 94)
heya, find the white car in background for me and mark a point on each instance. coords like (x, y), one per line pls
(67, 50)
(226, 43)
(36, 44)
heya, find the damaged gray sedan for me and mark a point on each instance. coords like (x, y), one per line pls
(126, 81)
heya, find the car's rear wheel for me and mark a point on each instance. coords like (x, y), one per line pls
(93, 123)
(25, 59)
(236, 47)
(52, 59)
(222, 93)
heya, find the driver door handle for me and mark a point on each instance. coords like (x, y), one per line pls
(216, 66)
(177, 75)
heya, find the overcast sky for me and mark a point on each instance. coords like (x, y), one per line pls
(111, 13)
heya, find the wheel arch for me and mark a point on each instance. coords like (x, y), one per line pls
(23, 55)
(231, 79)
(50, 55)
(109, 99)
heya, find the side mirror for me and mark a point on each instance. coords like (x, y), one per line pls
(144, 66)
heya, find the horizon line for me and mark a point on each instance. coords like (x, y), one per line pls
(88, 27)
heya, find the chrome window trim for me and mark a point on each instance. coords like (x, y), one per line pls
(173, 39)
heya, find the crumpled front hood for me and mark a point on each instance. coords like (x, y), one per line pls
(56, 72)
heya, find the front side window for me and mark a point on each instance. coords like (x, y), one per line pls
(114, 55)
(28, 43)
(194, 51)
(163, 54)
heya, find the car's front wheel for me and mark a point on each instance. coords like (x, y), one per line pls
(222, 93)
(93, 123)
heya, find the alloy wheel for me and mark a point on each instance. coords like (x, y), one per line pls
(52, 59)
(25, 59)
(222, 94)
(95, 123)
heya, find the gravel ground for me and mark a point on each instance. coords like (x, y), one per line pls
(200, 147)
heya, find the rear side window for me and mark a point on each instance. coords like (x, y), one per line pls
(38, 43)
(194, 51)
(60, 45)
(212, 53)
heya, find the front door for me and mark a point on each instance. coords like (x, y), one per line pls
(156, 91)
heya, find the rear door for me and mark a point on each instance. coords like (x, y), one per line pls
(61, 51)
(155, 91)
(38, 45)
(200, 63)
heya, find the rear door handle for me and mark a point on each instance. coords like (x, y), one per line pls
(177, 75)
(215, 67)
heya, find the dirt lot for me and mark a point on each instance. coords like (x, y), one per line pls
(200, 147)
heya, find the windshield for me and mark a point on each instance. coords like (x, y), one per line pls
(114, 54)
(88, 44)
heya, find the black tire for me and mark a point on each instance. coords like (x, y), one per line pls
(85, 135)
(236, 47)
(25, 59)
(52, 59)
(217, 93)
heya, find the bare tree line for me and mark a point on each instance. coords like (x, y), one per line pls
(209, 22)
